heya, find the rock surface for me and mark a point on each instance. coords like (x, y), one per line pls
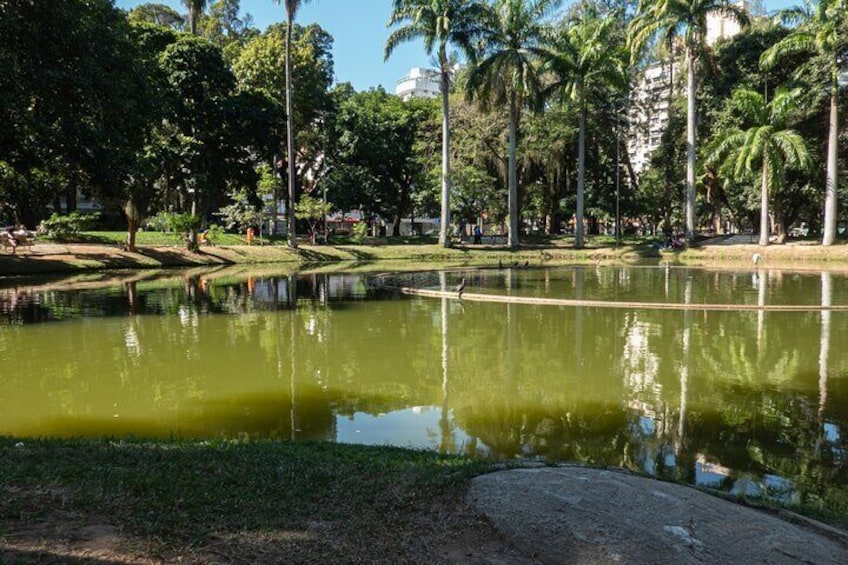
(580, 515)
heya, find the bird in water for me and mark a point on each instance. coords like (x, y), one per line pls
(460, 287)
(756, 258)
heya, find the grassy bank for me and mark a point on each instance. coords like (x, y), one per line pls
(103, 250)
(237, 502)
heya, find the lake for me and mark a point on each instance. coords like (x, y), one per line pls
(728, 391)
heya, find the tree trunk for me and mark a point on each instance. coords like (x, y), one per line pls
(690, 148)
(780, 227)
(764, 215)
(133, 220)
(444, 239)
(512, 175)
(829, 234)
(290, 136)
(581, 175)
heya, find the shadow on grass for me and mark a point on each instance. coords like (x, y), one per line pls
(361, 254)
(175, 258)
(16, 555)
(314, 256)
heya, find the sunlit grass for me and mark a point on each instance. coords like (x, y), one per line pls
(187, 491)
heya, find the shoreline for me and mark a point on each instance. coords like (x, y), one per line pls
(53, 258)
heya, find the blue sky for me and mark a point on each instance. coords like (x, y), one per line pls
(359, 30)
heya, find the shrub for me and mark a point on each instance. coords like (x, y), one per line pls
(359, 232)
(62, 228)
(160, 222)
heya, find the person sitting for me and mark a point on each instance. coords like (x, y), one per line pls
(11, 239)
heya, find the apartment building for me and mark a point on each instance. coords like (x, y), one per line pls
(651, 94)
(419, 83)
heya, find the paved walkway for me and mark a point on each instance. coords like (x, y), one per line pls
(578, 515)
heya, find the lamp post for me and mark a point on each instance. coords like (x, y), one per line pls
(617, 184)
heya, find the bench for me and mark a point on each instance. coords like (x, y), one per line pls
(19, 241)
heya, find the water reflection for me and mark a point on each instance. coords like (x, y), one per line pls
(752, 402)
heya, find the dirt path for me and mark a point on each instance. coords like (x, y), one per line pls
(579, 515)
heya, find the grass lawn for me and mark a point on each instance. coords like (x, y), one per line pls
(248, 502)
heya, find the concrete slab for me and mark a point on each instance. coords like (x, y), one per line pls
(579, 515)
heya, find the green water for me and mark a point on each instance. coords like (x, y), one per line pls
(751, 402)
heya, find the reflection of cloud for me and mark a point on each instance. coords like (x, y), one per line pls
(709, 474)
(640, 370)
(131, 342)
(416, 427)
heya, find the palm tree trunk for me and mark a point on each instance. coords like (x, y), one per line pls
(764, 216)
(512, 182)
(829, 234)
(290, 135)
(690, 148)
(444, 241)
(581, 174)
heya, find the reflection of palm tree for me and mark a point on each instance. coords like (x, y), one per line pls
(824, 342)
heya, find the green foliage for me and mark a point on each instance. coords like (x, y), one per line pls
(182, 223)
(374, 166)
(63, 228)
(313, 210)
(161, 222)
(214, 233)
(245, 211)
(359, 232)
(261, 66)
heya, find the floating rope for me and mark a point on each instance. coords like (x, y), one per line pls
(471, 297)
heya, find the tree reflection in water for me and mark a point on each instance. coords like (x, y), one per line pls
(752, 402)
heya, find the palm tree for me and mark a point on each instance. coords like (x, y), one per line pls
(820, 28)
(686, 19)
(767, 144)
(513, 34)
(292, 6)
(195, 8)
(583, 54)
(438, 22)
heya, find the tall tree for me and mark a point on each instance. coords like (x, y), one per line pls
(261, 65)
(195, 9)
(292, 7)
(584, 52)
(768, 143)
(438, 22)
(513, 37)
(686, 19)
(822, 28)
(374, 166)
(159, 14)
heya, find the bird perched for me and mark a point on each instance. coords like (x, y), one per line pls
(500, 264)
(756, 258)
(526, 264)
(460, 287)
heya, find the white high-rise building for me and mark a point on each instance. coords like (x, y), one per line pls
(419, 83)
(650, 97)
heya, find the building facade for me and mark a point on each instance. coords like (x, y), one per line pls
(652, 93)
(419, 83)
